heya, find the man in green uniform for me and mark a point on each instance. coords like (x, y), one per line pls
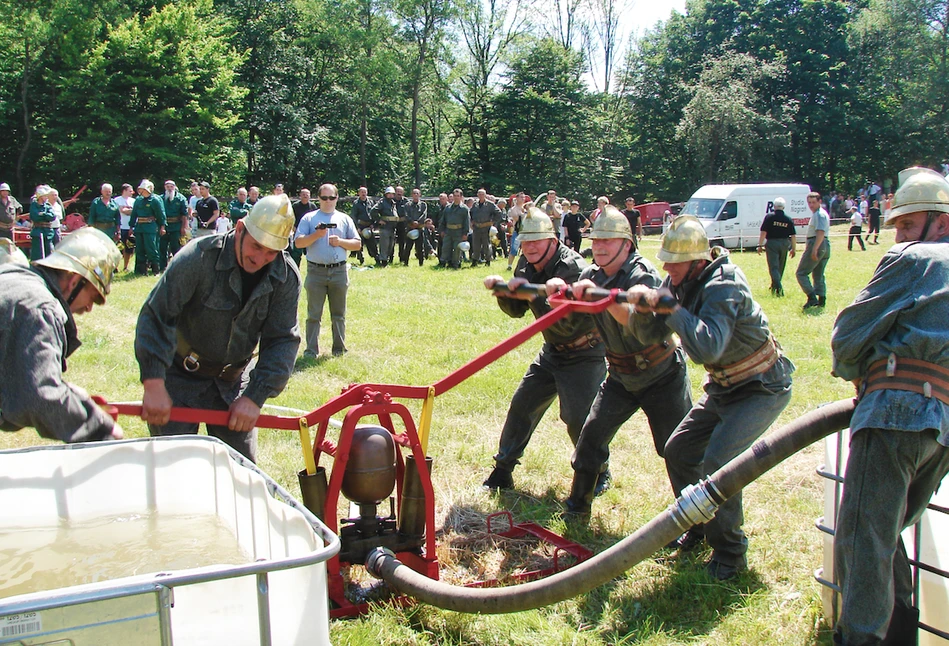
(239, 206)
(176, 223)
(104, 213)
(148, 222)
(42, 217)
(453, 227)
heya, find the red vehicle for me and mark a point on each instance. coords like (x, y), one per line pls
(651, 216)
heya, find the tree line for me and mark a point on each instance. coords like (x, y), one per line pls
(502, 94)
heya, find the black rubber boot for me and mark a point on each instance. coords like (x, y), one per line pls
(603, 482)
(580, 502)
(500, 479)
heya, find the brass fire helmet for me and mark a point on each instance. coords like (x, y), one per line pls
(921, 189)
(685, 241)
(89, 253)
(611, 224)
(270, 222)
(370, 470)
(536, 225)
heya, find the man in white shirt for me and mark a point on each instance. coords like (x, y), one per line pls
(856, 228)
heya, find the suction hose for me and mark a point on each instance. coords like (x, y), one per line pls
(697, 504)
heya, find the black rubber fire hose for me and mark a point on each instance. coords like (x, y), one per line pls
(697, 504)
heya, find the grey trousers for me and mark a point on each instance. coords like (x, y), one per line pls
(450, 254)
(481, 245)
(322, 284)
(809, 268)
(574, 377)
(717, 429)
(188, 391)
(665, 403)
(891, 476)
(387, 244)
(776, 252)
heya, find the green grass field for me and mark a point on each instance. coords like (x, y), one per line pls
(413, 326)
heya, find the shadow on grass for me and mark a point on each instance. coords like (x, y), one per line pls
(681, 601)
(305, 363)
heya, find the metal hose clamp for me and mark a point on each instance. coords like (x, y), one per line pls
(696, 505)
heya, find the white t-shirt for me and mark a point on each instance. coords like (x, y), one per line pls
(57, 213)
(222, 224)
(856, 220)
(125, 219)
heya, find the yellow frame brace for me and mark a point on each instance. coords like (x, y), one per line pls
(307, 448)
(425, 421)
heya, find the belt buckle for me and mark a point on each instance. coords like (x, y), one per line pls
(190, 362)
(641, 362)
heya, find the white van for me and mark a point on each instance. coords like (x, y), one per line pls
(733, 213)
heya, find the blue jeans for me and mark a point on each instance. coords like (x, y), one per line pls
(809, 267)
(717, 429)
(574, 377)
(891, 476)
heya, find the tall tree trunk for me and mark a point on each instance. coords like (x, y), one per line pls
(24, 101)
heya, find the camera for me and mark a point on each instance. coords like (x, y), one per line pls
(325, 225)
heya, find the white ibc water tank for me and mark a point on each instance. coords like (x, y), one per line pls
(925, 542)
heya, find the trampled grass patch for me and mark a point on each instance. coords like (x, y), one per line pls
(411, 325)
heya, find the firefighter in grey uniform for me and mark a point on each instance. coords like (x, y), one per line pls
(652, 377)
(749, 379)
(571, 362)
(453, 226)
(385, 211)
(41, 301)
(892, 343)
(221, 297)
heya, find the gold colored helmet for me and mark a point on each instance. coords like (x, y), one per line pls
(536, 225)
(611, 224)
(271, 221)
(11, 254)
(685, 240)
(89, 253)
(921, 189)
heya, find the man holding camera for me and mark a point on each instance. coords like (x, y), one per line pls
(328, 236)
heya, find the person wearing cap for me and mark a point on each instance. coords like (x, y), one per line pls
(42, 300)
(328, 236)
(10, 208)
(365, 221)
(571, 362)
(721, 326)
(207, 209)
(816, 254)
(148, 223)
(778, 229)
(416, 214)
(401, 207)
(453, 227)
(484, 213)
(891, 343)
(221, 297)
(652, 377)
(41, 217)
(386, 212)
(575, 223)
(176, 223)
(856, 229)
(104, 213)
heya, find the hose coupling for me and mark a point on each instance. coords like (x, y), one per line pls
(375, 558)
(696, 505)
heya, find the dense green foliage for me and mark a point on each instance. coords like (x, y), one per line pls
(439, 93)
